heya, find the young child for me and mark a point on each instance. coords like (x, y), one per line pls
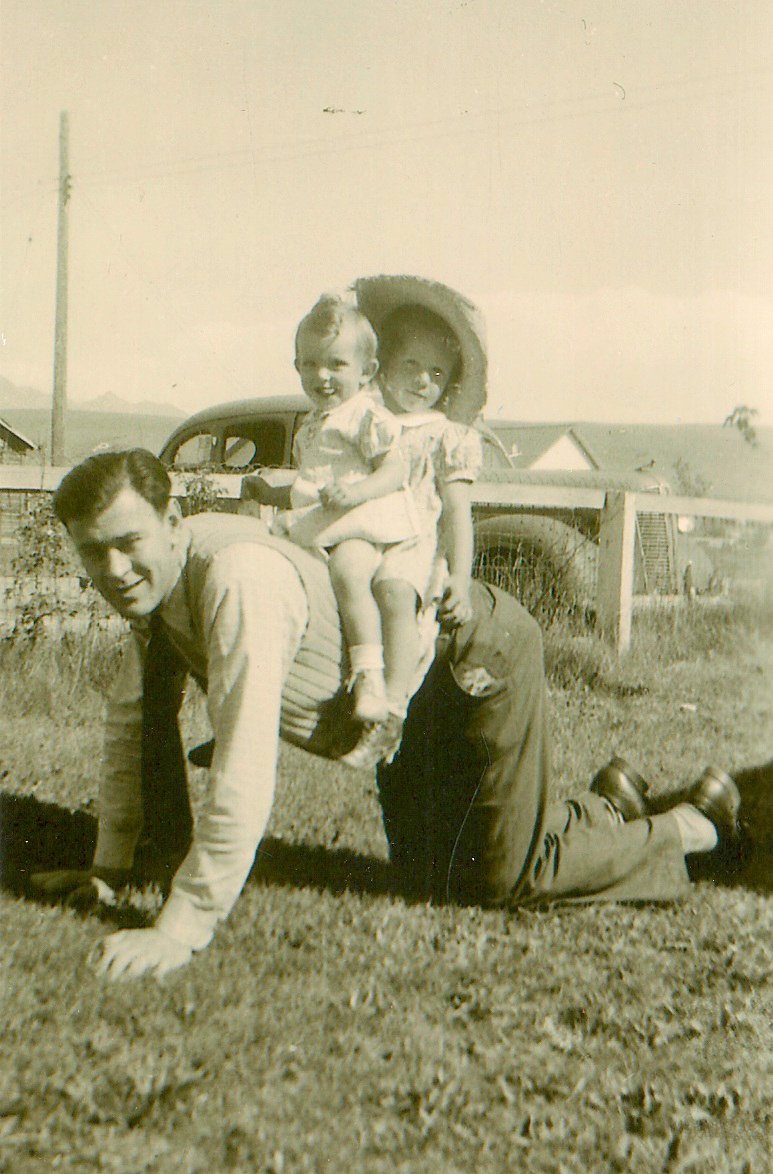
(420, 365)
(355, 459)
(349, 497)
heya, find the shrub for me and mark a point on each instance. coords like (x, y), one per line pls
(47, 588)
(202, 494)
(62, 676)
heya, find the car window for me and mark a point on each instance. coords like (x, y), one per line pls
(195, 451)
(255, 445)
(239, 452)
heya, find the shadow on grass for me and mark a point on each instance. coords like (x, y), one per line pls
(749, 863)
(36, 836)
(337, 870)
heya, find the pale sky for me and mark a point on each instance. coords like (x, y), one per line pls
(597, 176)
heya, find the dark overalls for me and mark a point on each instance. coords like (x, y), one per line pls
(465, 803)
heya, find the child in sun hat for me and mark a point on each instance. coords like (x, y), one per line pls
(432, 376)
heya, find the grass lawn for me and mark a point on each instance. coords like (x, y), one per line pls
(331, 1026)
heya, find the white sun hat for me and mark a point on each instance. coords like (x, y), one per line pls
(378, 296)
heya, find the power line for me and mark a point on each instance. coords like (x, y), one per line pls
(461, 125)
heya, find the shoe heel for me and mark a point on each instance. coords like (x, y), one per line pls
(623, 786)
(620, 769)
(716, 796)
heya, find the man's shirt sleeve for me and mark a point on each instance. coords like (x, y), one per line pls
(254, 611)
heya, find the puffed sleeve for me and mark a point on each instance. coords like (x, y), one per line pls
(378, 432)
(460, 454)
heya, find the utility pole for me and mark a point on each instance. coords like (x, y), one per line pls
(59, 401)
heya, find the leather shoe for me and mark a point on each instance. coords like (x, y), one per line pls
(717, 797)
(623, 787)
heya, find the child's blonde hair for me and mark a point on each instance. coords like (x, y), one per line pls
(327, 318)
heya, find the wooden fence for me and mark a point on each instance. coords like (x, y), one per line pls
(617, 530)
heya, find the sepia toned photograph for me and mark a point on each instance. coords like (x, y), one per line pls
(386, 586)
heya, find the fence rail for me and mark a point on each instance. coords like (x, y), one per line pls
(614, 542)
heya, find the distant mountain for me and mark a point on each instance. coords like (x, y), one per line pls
(113, 403)
(87, 432)
(12, 396)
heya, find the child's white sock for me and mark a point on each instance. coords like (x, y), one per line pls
(363, 657)
(367, 684)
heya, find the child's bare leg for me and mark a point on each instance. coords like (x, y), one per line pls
(352, 566)
(397, 602)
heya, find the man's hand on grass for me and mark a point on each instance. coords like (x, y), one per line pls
(131, 953)
(79, 888)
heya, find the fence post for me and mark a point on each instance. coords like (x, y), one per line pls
(615, 580)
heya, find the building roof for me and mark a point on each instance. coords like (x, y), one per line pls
(526, 443)
(14, 439)
(706, 460)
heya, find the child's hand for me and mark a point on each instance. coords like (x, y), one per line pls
(340, 495)
(455, 606)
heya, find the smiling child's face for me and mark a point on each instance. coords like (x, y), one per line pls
(333, 370)
(417, 372)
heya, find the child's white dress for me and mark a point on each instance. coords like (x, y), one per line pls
(345, 444)
(437, 451)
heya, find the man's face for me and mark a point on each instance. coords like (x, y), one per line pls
(333, 370)
(130, 552)
(417, 372)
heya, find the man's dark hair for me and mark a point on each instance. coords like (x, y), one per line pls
(403, 322)
(93, 485)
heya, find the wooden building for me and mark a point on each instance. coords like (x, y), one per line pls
(14, 445)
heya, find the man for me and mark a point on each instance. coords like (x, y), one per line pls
(253, 618)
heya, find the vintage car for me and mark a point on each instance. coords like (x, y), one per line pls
(539, 553)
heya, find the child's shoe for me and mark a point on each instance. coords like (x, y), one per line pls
(369, 696)
(379, 742)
